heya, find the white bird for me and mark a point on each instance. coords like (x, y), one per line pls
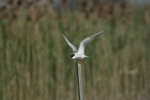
(79, 54)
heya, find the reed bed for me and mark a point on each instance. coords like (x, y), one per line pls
(36, 64)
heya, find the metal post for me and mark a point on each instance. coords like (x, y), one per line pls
(79, 77)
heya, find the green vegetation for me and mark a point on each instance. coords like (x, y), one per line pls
(35, 61)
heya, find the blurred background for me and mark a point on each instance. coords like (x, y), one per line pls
(35, 61)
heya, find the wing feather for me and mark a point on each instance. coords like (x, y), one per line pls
(71, 45)
(87, 40)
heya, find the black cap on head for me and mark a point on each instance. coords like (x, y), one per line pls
(72, 55)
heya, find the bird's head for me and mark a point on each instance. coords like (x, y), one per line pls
(73, 56)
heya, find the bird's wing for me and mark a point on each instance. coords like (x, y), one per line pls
(87, 40)
(71, 45)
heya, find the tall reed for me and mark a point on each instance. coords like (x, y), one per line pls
(36, 64)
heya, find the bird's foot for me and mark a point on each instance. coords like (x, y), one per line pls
(80, 62)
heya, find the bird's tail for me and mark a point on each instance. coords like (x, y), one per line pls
(88, 56)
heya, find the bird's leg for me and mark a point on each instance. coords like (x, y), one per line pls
(80, 61)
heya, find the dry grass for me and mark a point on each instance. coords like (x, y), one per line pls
(36, 65)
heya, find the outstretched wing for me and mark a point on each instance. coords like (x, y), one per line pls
(71, 45)
(87, 40)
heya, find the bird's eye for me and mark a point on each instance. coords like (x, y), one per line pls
(72, 55)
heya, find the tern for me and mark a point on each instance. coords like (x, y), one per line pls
(79, 54)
